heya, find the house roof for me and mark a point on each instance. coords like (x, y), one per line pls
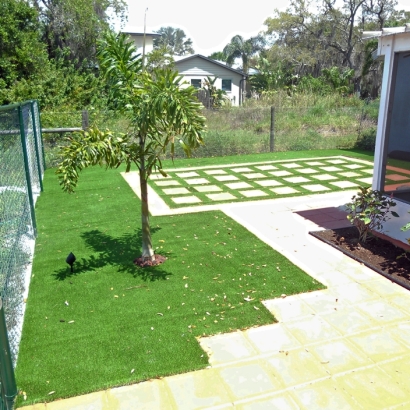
(386, 31)
(141, 34)
(179, 59)
(385, 35)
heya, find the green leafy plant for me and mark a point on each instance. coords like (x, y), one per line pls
(406, 228)
(218, 97)
(340, 80)
(368, 210)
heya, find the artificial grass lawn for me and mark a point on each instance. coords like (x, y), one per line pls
(168, 164)
(112, 323)
(309, 184)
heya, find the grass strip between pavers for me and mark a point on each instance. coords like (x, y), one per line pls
(260, 180)
(112, 323)
(267, 156)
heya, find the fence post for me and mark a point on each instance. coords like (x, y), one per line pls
(38, 117)
(37, 138)
(272, 130)
(27, 170)
(85, 120)
(8, 379)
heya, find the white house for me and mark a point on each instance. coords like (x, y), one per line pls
(138, 39)
(195, 68)
(392, 153)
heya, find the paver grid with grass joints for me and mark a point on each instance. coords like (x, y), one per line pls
(250, 181)
(346, 347)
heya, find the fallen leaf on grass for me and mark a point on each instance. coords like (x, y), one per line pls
(160, 314)
(71, 321)
(248, 299)
(132, 371)
(52, 392)
(135, 287)
(66, 303)
(256, 308)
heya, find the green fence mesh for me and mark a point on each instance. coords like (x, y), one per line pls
(21, 173)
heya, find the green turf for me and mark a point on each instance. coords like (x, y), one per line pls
(340, 173)
(131, 324)
(268, 156)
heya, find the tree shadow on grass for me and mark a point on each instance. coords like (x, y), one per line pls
(118, 252)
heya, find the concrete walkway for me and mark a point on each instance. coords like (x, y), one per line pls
(346, 347)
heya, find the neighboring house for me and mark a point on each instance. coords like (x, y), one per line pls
(392, 153)
(195, 68)
(138, 39)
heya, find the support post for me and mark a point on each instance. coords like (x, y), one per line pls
(8, 380)
(41, 135)
(272, 130)
(85, 120)
(37, 139)
(27, 169)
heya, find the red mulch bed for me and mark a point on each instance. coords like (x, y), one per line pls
(143, 262)
(378, 254)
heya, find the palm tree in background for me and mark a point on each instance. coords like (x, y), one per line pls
(175, 39)
(244, 49)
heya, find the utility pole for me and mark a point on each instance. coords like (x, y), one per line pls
(143, 41)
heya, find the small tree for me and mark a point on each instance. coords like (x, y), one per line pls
(160, 113)
(368, 210)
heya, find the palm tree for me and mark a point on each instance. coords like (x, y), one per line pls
(175, 39)
(160, 113)
(241, 48)
(218, 55)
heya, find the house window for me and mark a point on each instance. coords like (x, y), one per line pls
(196, 83)
(227, 85)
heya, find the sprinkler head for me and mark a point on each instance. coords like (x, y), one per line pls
(70, 260)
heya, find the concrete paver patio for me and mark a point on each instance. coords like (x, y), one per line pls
(345, 347)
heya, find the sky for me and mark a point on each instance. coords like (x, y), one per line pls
(211, 24)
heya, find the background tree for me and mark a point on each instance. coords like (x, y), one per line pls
(271, 75)
(160, 113)
(321, 34)
(238, 47)
(175, 39)
(376, 13)
(71, 28)
(218, 55)
(21, 53)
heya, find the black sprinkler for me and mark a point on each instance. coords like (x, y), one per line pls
(70, 260)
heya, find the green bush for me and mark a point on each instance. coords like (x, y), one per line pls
(366, 141)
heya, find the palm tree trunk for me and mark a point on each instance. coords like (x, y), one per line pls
(147, 251)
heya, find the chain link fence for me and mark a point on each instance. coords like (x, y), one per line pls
(21, 173)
